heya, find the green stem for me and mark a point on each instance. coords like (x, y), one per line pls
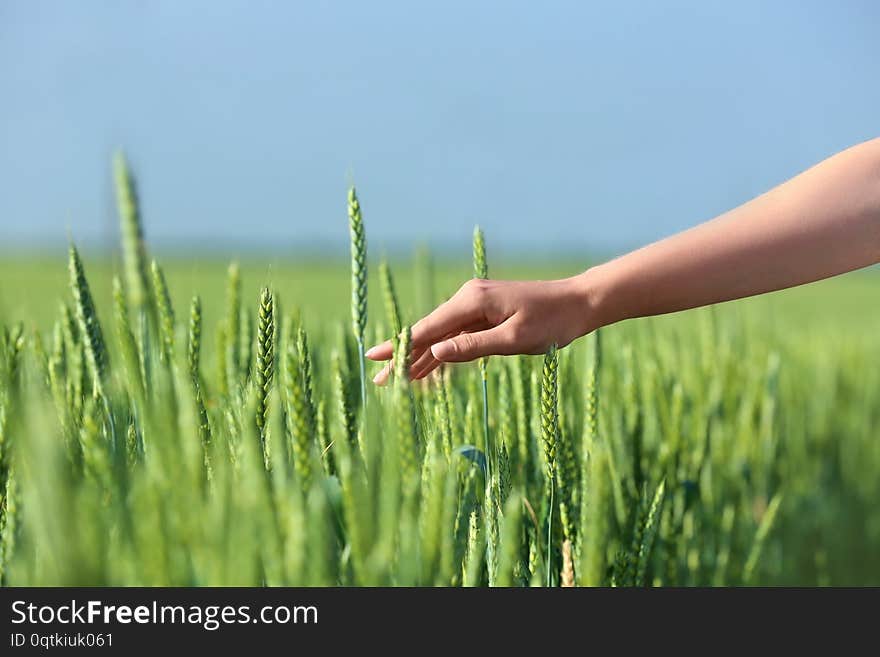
(550, 531)
(490, 454)
(143, 329)
(363, 365)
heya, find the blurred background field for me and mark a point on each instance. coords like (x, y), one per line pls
(320, 288)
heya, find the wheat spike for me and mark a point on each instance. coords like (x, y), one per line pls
(358, 281)
(165, 311)
(265, 364)
(89, 327)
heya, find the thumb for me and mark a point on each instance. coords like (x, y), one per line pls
(469, 346)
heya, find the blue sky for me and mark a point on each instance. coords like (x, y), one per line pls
(576, 125)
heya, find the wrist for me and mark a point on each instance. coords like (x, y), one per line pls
(594, 292)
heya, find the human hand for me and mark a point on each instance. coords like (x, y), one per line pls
(490, 317)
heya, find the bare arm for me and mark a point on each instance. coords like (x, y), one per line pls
(823, 222)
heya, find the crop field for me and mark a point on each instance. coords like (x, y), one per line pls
(177, 421)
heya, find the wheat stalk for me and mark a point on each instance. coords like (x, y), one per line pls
(594, 525)
(127, 344)
(648, 532)
(194, 340)
(77, 370)
(389, 295)
(481, 270)
(89, 326)
(473, 562)
(325, 444)
(511, 541)
(193, 358)
(444, 412)
(134, 254)
(134, 258)
(300, 414)
(549, 412)
(406, 419)
(591, 411)
(491, 523)
(358, 282)
(343, 403)
(549, 432)
(265, 364)
(165, 312)
(507, 425)
(567, 483)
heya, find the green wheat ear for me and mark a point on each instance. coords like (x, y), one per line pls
(591, 412)
(481, 268)
(594, 523)
(358, 281)
(549, 412)
(298, 400)
(89, 327)
(549, 432)
(344, 412)
(134, 253)
(389, 295)
(164, 311)
(648, 531)
(194, 340)
(127, 345)
(265, 366)
(193, 360)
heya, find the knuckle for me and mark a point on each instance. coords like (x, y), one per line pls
(468, 286)
(475, 287)
(465, 343)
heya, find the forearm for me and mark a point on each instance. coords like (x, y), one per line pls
(823, 222)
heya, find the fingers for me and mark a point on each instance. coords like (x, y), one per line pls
(498, 340)
(382, 377)
(428, 369)
(459, 313)
(419, 361)
(422, 368)
(383, 351)
(455, 315)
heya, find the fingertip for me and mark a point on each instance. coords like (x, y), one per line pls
(382, 377)
(376, 352)
(443, 350)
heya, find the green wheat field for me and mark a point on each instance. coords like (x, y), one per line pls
(197, 422)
